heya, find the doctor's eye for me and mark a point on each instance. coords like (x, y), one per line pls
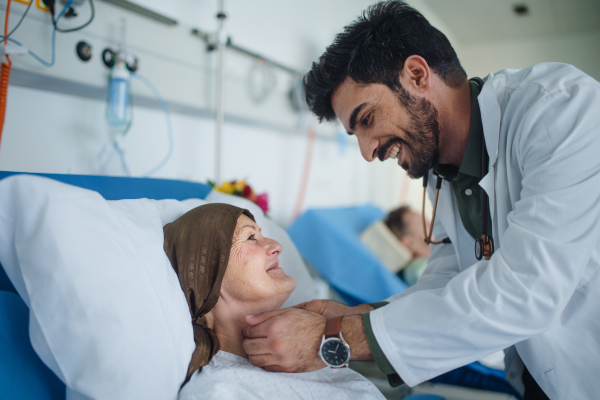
(252, 237)
(365, 120)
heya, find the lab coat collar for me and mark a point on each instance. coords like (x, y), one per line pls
(490, 118)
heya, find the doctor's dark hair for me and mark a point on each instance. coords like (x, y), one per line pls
(373, 49)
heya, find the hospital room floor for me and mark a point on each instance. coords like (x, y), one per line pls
(371, 372)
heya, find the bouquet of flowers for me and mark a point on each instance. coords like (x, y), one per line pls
(240, 188)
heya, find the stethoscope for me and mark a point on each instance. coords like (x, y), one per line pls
(484, 246)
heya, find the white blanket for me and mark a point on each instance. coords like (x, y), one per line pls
(231, 377)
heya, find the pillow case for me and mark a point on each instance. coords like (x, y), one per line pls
(107, 314)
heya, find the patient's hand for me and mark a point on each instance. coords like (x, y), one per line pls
(285, 340)
(329, 308)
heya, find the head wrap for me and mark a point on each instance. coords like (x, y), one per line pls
(198, 245)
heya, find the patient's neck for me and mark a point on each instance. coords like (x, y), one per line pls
(227, 320)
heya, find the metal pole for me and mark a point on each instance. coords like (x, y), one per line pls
(220, 89)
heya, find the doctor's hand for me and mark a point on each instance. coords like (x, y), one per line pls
(285, 340)
(330, 308)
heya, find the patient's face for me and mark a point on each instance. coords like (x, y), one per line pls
(253, 274)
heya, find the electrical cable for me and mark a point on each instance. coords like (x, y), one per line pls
(50, 5)
(21, 20)
(31, 53)
(163, 105)
(4, 73)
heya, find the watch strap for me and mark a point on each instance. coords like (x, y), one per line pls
(333, 327)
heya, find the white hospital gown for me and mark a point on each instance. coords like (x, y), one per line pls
(230, 377)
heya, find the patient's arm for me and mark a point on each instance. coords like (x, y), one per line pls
(330, 308)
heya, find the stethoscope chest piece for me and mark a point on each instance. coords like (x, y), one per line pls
(484, 247)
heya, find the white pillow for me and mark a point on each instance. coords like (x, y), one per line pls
(107, 312)
(108, 315)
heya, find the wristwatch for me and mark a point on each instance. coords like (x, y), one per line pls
(334, 350)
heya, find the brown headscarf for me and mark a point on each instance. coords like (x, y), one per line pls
(198, 245)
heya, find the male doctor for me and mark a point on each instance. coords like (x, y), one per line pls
(395, 83)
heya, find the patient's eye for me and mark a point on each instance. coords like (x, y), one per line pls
(252, 237)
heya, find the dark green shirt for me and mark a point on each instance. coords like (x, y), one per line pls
(464, 182)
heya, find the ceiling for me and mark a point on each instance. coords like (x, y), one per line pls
(484, 21)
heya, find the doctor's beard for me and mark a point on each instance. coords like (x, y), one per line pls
(423, 135)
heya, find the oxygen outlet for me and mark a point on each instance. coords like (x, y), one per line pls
(84, 51)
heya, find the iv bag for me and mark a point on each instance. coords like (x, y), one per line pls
(119, 110)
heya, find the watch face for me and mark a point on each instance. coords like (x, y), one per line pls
(478, 250)
(335, 352)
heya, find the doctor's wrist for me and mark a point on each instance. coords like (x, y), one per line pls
(362, 309)
(354, 333)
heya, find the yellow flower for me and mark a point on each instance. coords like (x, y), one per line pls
(239, 186)
(226, 187)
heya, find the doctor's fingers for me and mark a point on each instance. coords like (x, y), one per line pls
(274, 323)
(270, 363)
(257, 347)
(326, 308)
(262, 317)
(274, 363)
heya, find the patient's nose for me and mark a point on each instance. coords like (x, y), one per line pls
(274, 248)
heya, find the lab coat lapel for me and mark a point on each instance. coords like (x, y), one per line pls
(490, 118)
(447, 211)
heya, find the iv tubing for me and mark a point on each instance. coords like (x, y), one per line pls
(220, 92)
(312, 135)
(163, 105)
(31, 53)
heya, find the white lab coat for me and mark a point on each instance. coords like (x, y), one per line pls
(540, 292)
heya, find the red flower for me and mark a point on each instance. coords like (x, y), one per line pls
(263, 202)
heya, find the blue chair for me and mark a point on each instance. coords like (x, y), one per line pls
(23, 376)
(329, 240)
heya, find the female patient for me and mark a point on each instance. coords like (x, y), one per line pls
(228, 270)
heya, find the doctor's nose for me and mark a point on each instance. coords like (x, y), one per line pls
(368, 148)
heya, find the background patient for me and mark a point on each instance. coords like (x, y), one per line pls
(227, 271)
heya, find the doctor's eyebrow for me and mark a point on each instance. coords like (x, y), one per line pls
(354, 115)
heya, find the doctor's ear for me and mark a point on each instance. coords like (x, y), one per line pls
(415, 75)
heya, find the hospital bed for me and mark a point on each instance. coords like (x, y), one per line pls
(22, 373)
(329, 240)
(24, 376)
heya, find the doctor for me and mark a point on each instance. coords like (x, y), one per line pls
(395, 83)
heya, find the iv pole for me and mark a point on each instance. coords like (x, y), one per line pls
(220, 89)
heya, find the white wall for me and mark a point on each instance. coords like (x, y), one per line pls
(57, 133)
(580, 50)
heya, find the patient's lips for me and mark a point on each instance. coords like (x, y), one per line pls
(273, 266)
